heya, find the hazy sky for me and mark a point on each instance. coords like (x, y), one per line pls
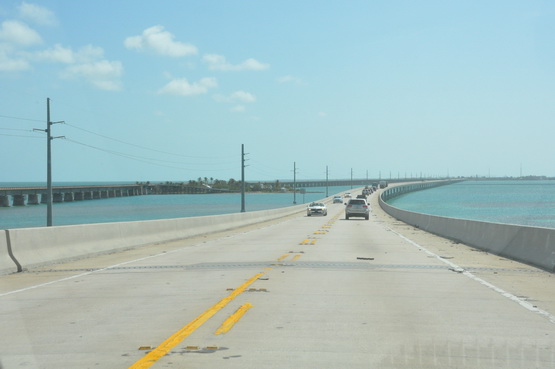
(169, 90)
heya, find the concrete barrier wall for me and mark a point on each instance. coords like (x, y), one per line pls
(531, 245)
(34, 247)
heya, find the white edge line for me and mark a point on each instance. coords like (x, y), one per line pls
(502, 292)
(95, 271)
(81, 274)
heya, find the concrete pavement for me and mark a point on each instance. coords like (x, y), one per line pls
(301, 292)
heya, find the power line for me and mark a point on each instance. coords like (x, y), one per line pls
(3, 134)
(20, 118)
(139, 146)
(142, 159)
(16, 129)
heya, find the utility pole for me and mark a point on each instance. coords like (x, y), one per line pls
(294, 182)
(327, 181)
(49, 139)
(242, 178)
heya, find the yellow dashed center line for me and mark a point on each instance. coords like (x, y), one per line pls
(282, 257)
(152, 357)
(234, 318)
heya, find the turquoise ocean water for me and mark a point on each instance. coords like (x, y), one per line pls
(515, 202)
(522, 202)
(120, 209)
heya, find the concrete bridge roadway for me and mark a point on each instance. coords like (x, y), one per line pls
(301, 292)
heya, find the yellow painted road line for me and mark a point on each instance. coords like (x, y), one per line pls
(296, 257)
(313, 242)
(152, 357)
(233, 318)
(304, 242)
(283, 257)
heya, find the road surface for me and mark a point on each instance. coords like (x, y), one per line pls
(301, 292)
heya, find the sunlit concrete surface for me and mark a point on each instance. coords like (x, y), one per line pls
(300, 292)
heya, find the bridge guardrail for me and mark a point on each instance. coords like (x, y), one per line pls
(34, 247)
(530, 245)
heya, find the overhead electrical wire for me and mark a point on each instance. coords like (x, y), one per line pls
(3, 134)
(206, 161)
(19, 118)
(142, 147)
(139, 158)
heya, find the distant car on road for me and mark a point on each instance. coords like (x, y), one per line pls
(347, 194)
(357, 208)
(337, 200)
(316, 208)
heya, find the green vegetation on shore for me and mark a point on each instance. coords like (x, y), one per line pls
(211, 185)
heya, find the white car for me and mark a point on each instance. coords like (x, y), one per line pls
(357, 208)
(337, 200)
(316, 208)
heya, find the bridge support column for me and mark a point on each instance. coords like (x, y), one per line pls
(58, 197)
(18, 200)
(5, 201)
(88, 195)
(33, 199)
(78, 196)
(68, 197)
(44, 198)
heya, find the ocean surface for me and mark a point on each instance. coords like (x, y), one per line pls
(522, 202)
(509, 201)
(121, 209)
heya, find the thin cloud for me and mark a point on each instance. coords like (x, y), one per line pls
(19, 34)
(182, 87)
(15, 36)
(243, 96)
(37, 14)
(238, 109)
(237, 96)
(161, 42)
(289, 79)
(60, 54)
(219, 62)
(12, 64)
(57, 54)
(103, 74)
(87, 63)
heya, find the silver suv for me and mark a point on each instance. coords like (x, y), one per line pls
(357, 208)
